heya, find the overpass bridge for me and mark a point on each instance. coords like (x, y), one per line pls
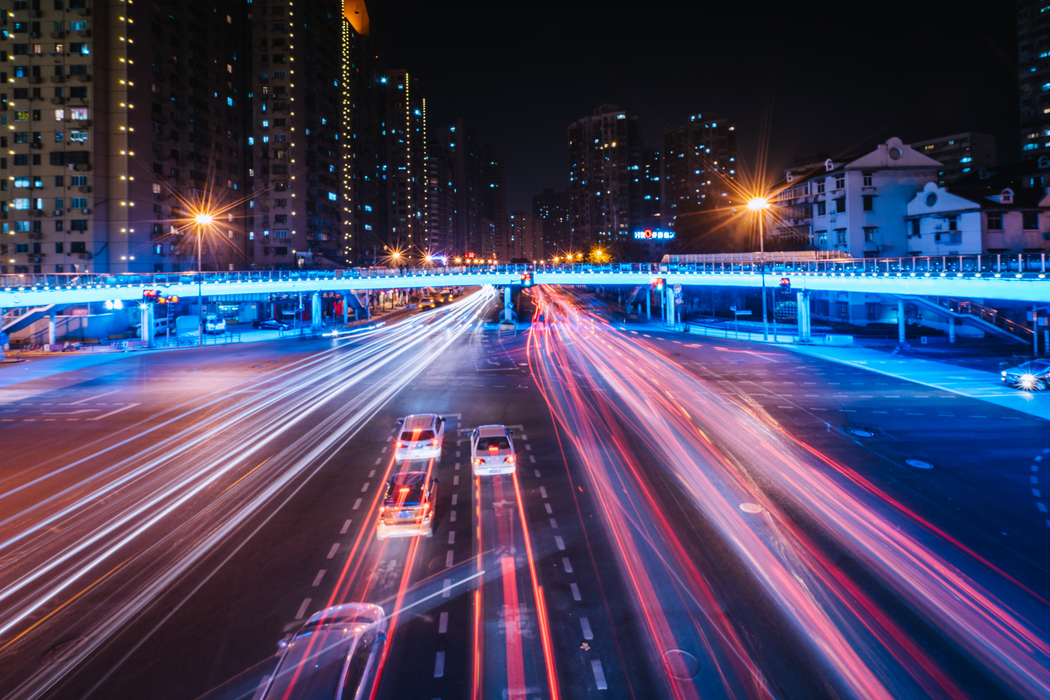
(1013, 278)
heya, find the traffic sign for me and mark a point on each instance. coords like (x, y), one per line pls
(678, 289)
(742, 313)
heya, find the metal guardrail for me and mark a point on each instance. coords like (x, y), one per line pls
(1021, 265)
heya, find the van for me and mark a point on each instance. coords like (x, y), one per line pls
(214, 324)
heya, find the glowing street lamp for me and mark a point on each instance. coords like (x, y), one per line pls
(200, 220)
(759, 206)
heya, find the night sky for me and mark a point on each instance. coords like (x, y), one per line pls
(797, 78)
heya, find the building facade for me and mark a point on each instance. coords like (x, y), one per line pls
(699, 171)
(552, 210)
(1033, 72)
(403, 164)
(959, 154)
(604, 153)
(525, 237)
(854, 206)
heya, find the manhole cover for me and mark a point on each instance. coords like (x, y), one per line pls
(749, 508)
(62, 651)
(861, 433)
(918, 464)
(681, 664)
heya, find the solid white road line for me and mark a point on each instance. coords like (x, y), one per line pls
(91, 398)
(106, 415)
(443, 623)
(302, 609)
(317, 579)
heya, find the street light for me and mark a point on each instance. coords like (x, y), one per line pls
(200, 221)
(759, 205)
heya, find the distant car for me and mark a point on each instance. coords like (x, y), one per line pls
(335, 655)
(427, 303)
(272, 325)
(492, 450)
(420, 437)
(214, 324)
(408, 507)
(1030, 376)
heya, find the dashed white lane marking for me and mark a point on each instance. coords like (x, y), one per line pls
(976, 416)
(549, 509)
(880, 411)
(346, 526)
(448, 560)
(446, 588)
(357, 504)
(599, 674)
(1046, 450)
(554, 524)
(543, 491)
(365, 487)
(532, 458)
(50, 420)
(455, 498)
(575, 591)
(378, 460)
(535, 471)
(317, 579)
(586, 625)
(457, 466)
(455, 480)
(302, 609)
(371, 473)
(107, 415)
(523, 437)
(1035, 467)
(443, 623)
(567, 564)
(1033, 479)
(459, 443)
(912, 414)
(1011, 418)
(333, 550)
(439, 664)
(528, 447)
(452, 516)
(1039, 458)
(451, 536)
(1037, 493)
(383, 450)
(1041, 507)
(457, 454)
(560, 542)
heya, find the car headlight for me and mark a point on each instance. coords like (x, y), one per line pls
(1004, 372)
(1027, 381)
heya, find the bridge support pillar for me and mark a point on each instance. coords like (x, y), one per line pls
(508, 313)
(3, 337)
(804, 322)
(951, 330)
(900, 321)
(669, 311)
(51, 328)
(648, 304)
(346, 303)
(315, 310)
(146, 324)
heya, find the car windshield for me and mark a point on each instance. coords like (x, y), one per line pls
(313, 663)
(405, 490)
(499, 442)
(417, 434)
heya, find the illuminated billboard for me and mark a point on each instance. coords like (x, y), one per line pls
(652, 234)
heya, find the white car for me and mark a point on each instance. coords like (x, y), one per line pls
(492, 450)
(420, 437)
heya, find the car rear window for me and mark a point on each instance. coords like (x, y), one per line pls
(413, 435)
(499, 442)
(405, 490)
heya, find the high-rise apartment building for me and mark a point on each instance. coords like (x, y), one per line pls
(403, 163)
(552, 210)
(959, 154)
(525, 237)
(441, 207)
(297, 116)
(604, 149)
(699, 165)
(122, 119)
(1033, 65)
(461, 146)
(492, 202)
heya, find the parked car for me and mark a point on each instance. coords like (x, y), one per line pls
(335, 655)
(214, 324)
(271, 324)
(1030, 376)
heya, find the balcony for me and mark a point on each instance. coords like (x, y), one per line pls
(35, 80)
(57, 35)
(84, 78)
(84, 32)
(58, 100)
(82, 167)
(84, 188)
(58, 78)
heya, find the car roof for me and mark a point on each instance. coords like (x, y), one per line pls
(406, 488)
(420, 420)
(491, 430)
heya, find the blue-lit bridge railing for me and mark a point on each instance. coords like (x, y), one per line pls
(1019, 277)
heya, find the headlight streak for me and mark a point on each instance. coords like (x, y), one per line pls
(161, 481)
(850, 632)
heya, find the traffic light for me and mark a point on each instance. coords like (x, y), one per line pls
(658, 284)
(168, 300)
(150, 296)
(785, 285)
(526, 279)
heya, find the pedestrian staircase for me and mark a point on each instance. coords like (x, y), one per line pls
(976, 315)
(14, 321)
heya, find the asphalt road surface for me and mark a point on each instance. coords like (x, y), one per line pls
(689, 518)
